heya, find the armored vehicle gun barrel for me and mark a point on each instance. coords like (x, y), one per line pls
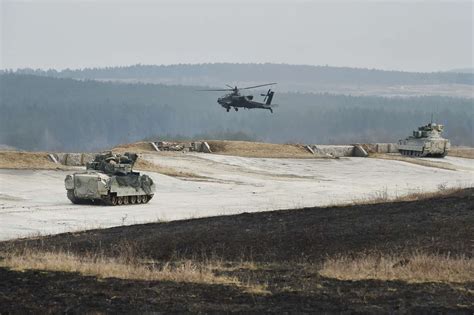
(110, 179)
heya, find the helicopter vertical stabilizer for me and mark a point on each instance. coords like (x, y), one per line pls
(269, 97)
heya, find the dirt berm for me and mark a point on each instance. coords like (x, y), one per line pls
(237, 148)
(26, 160)
(281, 250)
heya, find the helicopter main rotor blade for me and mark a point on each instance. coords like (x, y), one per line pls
(256, 86)
(230, 86)
(217, 90)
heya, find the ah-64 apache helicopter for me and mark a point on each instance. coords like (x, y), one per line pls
(236, 100)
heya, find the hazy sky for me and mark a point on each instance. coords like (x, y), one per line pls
(403, 35)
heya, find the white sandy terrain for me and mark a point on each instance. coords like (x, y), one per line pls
(34, 202)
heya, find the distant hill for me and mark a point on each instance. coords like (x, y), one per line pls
(303, 78)
(42, 113)
(463, 70)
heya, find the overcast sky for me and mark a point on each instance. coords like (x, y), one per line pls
(403, 35)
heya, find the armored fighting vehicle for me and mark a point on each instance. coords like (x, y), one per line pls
(426, 141)
(110, 179)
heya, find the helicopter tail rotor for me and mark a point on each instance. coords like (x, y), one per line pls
(268, 97)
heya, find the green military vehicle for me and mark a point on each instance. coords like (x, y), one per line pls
(426, 141)
(109, 179)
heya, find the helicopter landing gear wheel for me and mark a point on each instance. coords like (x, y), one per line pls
(236, 109)
(227, 109)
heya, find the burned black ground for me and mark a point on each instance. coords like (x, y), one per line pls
(57, 292)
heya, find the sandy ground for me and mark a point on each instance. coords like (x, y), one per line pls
(34, 202)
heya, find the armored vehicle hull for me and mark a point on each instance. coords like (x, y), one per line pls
(110, 182)
(425, 142)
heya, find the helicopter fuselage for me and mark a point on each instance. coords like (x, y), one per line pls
(237, 101)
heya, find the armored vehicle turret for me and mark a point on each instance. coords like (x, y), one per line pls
(110, 179)
(426, 141)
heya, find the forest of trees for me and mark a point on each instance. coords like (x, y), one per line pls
(286, 75)
(45, 113)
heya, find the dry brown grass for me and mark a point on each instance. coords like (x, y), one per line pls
(418, 267)
(27, 160)
(422, 195)
(259, 149)
(417, 161)
(464, 152)
(144, 165)
(104, 267)
(382, 196)
(123, 268)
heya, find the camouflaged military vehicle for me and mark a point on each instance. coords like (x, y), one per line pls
(110, 179)
(426, 141)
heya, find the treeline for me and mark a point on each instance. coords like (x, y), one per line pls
(42, 113)
(290, 75)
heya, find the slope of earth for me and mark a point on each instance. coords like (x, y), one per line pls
(259, 149)
(284, 250)
(441, 224)
(34, 201)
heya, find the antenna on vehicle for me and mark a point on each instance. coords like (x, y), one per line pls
(437, 112)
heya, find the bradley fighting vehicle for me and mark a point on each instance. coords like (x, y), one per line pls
(110, 179)
(426, 141)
